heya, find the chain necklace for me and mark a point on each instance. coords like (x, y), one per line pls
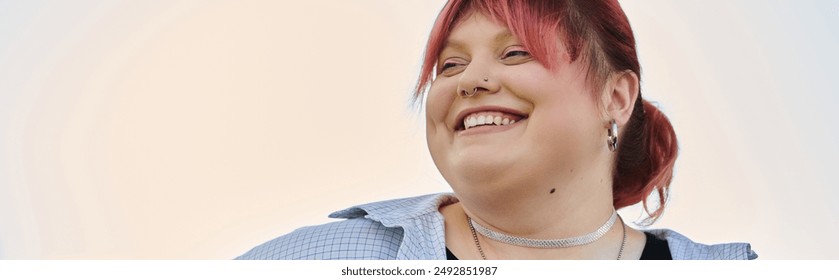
(539, 243)
(623, 241)
(475, 237)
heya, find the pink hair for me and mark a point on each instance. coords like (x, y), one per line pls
(599, 33)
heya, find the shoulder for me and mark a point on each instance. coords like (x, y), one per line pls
(371, 231)
(682, 248)
(347, 239)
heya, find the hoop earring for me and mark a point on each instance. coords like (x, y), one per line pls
(612, 140)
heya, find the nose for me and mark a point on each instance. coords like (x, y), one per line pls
(476, 78)
(468, 93)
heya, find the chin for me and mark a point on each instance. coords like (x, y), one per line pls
(487, 173)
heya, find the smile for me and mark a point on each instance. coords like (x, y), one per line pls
(481, 122)
(489, 118)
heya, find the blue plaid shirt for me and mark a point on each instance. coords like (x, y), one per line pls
(412, 229)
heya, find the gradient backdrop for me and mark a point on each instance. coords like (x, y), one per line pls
(199, 129)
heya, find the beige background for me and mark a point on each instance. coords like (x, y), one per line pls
(199, 129)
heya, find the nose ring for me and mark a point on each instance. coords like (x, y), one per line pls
(466, 93)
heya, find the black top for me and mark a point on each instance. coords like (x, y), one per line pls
(655, 249)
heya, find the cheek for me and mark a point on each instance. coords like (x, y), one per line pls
(437, 108)
(564, 122)
(439, 102)
(555, 126)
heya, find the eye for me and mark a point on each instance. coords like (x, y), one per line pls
(513, 53)
(450, 67)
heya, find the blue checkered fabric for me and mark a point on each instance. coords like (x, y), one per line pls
(412, 229)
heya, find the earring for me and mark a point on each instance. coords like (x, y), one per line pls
(612, 140)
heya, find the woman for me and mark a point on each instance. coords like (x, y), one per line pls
(536, 120)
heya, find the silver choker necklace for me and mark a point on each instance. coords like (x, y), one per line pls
(544, 243)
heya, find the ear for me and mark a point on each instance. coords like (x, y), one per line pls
(620, 97)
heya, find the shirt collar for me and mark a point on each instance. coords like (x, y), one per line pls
(396, 210)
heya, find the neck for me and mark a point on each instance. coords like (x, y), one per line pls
(573, 209)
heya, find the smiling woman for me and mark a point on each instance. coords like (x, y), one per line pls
(536, 121)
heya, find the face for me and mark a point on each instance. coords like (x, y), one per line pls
(526, 128)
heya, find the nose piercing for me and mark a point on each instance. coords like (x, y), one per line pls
(466, 93)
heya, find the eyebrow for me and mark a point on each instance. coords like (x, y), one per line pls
(500, 37)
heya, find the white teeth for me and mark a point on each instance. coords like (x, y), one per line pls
(477, 120)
